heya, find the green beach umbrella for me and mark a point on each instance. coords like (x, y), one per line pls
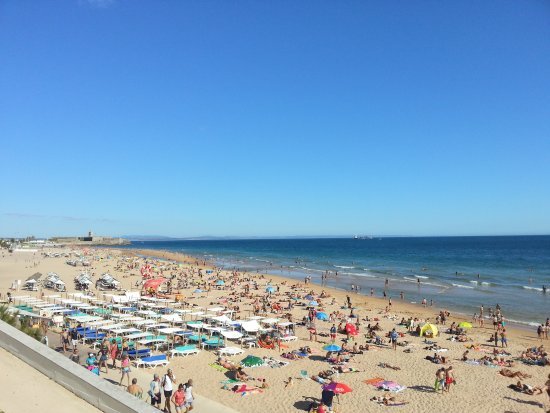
(252, 361)
(465, 324)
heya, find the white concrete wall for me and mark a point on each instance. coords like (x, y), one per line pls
(73, 377)
(96, 391)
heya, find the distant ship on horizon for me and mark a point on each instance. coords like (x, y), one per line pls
(362, 237)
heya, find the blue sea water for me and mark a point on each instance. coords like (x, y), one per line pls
(512, 270)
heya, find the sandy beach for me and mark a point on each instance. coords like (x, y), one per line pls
(478, 388)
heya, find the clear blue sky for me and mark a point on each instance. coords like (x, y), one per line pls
(187, 118)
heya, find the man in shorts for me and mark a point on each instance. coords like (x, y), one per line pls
(155, 392)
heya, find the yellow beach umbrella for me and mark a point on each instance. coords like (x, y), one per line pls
(465, 324)
(429, 328)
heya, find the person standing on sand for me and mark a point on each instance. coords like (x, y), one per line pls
(393, 339)
(503, 338)
(449, 378)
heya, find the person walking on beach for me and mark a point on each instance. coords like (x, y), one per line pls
(155, 392)
(190, 397)
(64, 339)
(168, 386)
(178, 398)
(125, 368)
(440, 380)
(113, 349)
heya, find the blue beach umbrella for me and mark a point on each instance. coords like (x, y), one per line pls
(332, 347)
(270, 289)
(220, 282)
(322, 316)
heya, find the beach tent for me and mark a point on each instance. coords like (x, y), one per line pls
(220, 282)
(270, 289)
(429, 328)
(154, 283)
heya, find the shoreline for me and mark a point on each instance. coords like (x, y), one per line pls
(515, 329)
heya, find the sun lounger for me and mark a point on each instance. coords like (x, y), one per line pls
(141, 353)
(152, 361)
(185, 350)
(213, 342)
(230, 351)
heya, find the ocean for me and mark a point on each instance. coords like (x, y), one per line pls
(458, 273)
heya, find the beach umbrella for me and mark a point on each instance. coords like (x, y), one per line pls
(313, 303)
(270, 289)
(332, 347)
(337, 388)
(465, 324)
(220, 282)
(322, 316)
(252, 361)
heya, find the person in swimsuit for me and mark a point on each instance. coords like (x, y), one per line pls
(125, 368)
(449, 378)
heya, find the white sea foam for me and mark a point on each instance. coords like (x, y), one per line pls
(485, 283)
(422, 276)
(410, 279)
(359, 274)
(344, 267)
(532, 288)
(463, 286)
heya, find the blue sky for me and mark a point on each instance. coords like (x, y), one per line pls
(188, 118)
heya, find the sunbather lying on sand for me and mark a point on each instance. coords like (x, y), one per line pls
(388, 366)
(525, 388)
(242, 388)
(388, 400)
(515, 374)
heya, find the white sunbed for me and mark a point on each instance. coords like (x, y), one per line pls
(230, 351)
(184, 351)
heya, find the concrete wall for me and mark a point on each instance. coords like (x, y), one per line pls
(96, 391)
(73, 377)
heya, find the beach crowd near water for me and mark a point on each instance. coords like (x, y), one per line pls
(295, 346)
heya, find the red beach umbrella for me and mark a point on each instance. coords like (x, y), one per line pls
(337, 388)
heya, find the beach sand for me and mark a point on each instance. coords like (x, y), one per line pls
(478, 388)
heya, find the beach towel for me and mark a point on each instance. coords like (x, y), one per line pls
(472, 362)
(218, 367)
(373, 381)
